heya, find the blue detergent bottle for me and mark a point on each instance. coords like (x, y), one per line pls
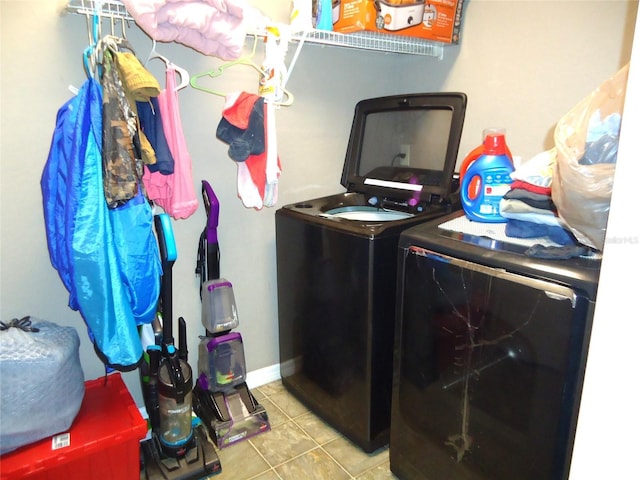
(486, 181)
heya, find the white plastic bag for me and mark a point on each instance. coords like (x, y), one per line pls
(586, 143)
(41, 381)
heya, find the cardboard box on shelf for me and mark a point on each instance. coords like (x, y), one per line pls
(437, 20)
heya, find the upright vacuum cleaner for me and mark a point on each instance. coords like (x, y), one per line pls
(221, 397)
(179, 448)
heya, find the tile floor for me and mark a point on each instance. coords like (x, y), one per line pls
(299, 446)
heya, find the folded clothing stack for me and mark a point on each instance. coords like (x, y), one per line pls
(530, 212)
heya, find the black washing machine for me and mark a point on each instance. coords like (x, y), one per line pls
(489, 358)
(336, 259)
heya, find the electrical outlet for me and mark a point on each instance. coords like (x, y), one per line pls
(405, 149)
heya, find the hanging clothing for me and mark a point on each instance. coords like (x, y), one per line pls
(175, 193)
(244, 125)
(272, 167)
(122, 157)
(137, 85)
(151, 123)
(108, 259)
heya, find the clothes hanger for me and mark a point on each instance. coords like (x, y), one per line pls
(272, 84)
(184, 74)
(91, 51)
(116, 44)
(97, 43)
(246, 60)
(124, 24)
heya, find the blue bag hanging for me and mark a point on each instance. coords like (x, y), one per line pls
(96, 253)
(138, 255)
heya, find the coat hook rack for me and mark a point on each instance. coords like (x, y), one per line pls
(114, 9)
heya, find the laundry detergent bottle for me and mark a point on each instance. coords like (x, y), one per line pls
(486, 180)
(473, 155)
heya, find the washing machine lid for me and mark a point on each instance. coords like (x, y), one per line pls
(403, 148)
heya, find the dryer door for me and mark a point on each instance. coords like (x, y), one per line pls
(488, 372)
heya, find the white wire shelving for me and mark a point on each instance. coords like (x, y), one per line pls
(380, 42)
(105, 8)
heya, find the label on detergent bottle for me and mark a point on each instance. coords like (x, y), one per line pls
(496, 183)
(486, 181)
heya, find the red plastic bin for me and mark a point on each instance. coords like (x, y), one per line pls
(104, 440)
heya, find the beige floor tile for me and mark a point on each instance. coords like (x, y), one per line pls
(316, 428)
(276, 416)
(381, 472)
(240, 462)
(258, 394)
(283, 443)
(268, 475)
(352, 458)
(271, 388)
(288, 404)
(312, 465)
(291, 451)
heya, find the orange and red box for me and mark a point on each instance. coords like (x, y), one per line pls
(436, 20)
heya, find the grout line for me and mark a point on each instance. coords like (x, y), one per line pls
(271, 469)
(289, 418)
(321, 446)
(351, 477)
(279, 409)
(260, 453)
(317, 447)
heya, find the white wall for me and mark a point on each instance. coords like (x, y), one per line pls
(522, 63)
(606, 438)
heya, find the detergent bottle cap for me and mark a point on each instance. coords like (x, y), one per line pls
(494, 144)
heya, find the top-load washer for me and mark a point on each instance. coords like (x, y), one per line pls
(337, 256)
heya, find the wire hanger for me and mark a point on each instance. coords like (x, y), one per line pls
(93, 53)
(90, 53)
(246, 60)
(123, 25)
(116, 44)
(184, 74)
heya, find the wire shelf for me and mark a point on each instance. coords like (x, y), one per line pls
(105, 8)
(381, 42)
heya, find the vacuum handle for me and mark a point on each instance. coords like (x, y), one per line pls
(174, 369)
(212, 207)
(168, 253)
(183, 353)
(166, 240)
(153, 403)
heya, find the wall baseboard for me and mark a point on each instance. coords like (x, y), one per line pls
(257, 378)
